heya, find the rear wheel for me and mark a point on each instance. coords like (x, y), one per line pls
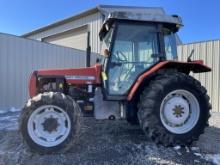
(174, 109)
(50, 123)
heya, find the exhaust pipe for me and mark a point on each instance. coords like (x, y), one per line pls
(88, 51)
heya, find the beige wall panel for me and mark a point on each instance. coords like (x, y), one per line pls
(76, 38)
(94, 22)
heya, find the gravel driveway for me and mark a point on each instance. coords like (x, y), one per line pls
(109, 142)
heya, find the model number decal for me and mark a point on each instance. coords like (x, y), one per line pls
(80, 77)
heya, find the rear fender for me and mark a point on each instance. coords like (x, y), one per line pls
(185, 67)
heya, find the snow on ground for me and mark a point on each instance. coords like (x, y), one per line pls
(13, 109)
(215, 158)
(9, 119)
(2, 111)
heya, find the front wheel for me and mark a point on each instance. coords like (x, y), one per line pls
(50, 123)
(174, 109)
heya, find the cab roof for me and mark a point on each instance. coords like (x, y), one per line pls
(155, 15)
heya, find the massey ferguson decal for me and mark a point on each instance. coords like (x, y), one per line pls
(86, 78)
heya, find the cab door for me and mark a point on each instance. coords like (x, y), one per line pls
(133, 52)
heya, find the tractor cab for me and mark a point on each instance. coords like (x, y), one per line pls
(131, 44)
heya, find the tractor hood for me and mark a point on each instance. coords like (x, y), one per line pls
(90, 75)
(80, 76)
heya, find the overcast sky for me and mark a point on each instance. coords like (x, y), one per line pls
(200, 17)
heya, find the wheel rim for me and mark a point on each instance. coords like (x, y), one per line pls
(179, 111)
(49, 126)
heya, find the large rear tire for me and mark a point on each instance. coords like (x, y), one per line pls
(50, 123)
(174, 109)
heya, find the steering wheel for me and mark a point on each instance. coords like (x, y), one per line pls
(118, 56)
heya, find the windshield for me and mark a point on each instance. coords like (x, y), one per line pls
(132, 53)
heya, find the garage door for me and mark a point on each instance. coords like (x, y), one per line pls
(75, 38)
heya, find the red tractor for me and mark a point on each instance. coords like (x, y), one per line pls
(139, 71)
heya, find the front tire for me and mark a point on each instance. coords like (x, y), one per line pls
(50, 123)
(174, 109)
